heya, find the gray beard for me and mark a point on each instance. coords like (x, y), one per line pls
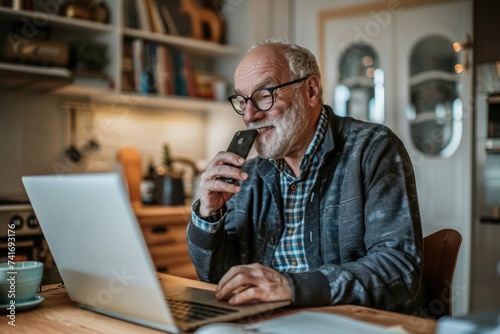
(288, 131)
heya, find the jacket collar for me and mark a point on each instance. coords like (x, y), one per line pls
(332, 136)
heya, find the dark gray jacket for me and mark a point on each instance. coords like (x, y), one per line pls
(362, 232)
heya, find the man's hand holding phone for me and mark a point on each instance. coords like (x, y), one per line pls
(225, 167)
(241, 144)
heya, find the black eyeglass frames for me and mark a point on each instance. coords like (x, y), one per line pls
(262, 99)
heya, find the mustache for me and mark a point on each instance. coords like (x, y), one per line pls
(258, 126)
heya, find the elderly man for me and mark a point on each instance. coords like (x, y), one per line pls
(328, 211)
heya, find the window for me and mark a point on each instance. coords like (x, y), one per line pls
(360, 92)
(435, 109)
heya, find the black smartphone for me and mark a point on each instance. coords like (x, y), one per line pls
(241, 144)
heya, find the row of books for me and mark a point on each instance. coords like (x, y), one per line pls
(19, 4)
(153, 68)
(157, 16)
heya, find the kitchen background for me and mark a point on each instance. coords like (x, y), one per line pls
(36, 128)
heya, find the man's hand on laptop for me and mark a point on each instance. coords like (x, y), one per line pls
(253, 282)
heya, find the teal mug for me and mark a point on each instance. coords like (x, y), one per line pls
(20, 281)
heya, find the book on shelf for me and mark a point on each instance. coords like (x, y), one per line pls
(6, 3)
(155, 17)
(161, 16)
(130, 14)
(210, 86)
(164, 71)
(128, 80)
(137, 63)
(154, 68)
(148, 83)
(185, 83)
(18, 4)
(143, 15)
(166, 16)
(180, 20)
(45, 6)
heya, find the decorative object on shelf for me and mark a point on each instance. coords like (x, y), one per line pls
(78, 9)
(35, 51)
(101, 13)
(85, 10)
(88, 55)
(192, 18)
(202, 17)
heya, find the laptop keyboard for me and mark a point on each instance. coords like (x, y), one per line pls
(188, 311)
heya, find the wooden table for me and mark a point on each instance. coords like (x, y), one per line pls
(58, 314)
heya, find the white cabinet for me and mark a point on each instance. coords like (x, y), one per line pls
(426, 102)
(112, 34)
(443, 172)
(357, 68)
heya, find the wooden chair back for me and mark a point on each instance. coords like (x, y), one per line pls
(440, 257)
(131, 161)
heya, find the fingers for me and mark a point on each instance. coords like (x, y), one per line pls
(250, 283)
(227, 158)
(213, 193)
(225, 165)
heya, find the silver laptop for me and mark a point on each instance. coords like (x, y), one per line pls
(103, 259)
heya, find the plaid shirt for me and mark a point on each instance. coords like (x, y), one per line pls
(290, 254)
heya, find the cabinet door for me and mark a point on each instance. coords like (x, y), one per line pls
(435, 122)
(357, 64)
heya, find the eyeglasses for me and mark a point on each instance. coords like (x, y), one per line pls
(262, 99)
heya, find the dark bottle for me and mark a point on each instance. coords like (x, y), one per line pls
(149, 185)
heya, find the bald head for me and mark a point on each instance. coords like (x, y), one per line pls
(262, 66)
(280, 61)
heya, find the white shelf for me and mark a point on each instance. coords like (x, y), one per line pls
(58, 22)
(188, 44)
(37, 70)
(165, 102)
(15, 77)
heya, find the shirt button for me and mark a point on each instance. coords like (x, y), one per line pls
(294, 263)
(290, 231)
(272, 240)
(293, 187)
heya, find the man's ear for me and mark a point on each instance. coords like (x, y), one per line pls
(313, 90)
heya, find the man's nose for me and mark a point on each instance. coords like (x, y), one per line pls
(252, 113)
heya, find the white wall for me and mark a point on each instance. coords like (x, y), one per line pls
(32, 137)
(35, 132)
(306, 19)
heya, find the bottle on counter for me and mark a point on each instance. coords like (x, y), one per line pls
(149, 185)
